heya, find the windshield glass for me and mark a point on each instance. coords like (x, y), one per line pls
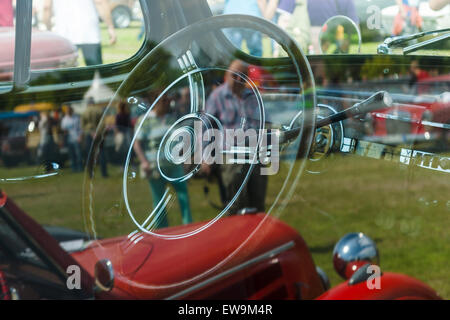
(223, 154)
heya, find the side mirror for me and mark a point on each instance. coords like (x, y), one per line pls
(352, 252)
(340, 35)
(104, 275)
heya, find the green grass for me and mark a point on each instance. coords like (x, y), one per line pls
(126, 46)
(356, 194)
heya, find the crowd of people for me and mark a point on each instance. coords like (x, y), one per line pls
(302, 19)
(63, 132)
(78, 20)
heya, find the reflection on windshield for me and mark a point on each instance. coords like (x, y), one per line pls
(199, 133)
(200, 145)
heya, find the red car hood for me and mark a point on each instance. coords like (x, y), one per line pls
(155, 268)
(48, 50)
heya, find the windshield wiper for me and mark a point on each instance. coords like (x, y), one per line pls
(400, 41)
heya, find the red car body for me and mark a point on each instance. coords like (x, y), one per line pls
(394, 287)
(435, 109)
(48, 50)
(155, 269)
(241, 257)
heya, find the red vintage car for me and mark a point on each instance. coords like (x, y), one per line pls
(48, 51)
(420, 118)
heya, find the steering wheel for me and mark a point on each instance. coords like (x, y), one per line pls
(193, 61)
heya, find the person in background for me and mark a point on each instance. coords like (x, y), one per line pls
(47, 149)
(142, 31)
(230, 104)
(284, 12)
(182, 102)
(71, 126)
(417, 75)
(321, 10)
(408, 19)
(252, 39)
(299, 26)
(78, 21)
(438, 4)
(151, 129)
(6, 13)
(280, 12)
(123, 131)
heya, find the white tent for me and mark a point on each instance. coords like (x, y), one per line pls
(98, 91)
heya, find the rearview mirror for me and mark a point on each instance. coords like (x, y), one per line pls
(340, 35)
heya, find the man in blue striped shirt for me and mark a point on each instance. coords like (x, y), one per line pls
(236, 108)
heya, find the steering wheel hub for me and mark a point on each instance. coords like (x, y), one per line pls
(183, 145)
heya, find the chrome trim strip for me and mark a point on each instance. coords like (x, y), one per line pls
(409, 120)
(267, 255)
(22, 46)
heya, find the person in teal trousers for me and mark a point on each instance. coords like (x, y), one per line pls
(148, 140)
